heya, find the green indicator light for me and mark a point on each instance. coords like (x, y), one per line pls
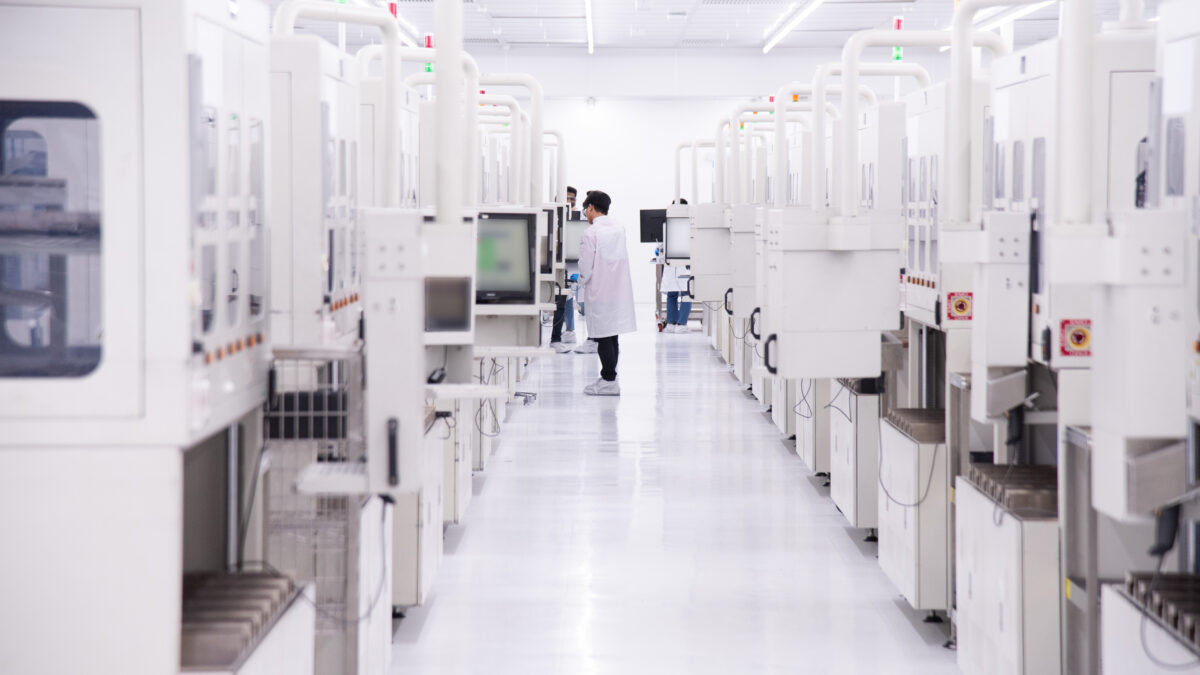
(897, 53)
(429, 67)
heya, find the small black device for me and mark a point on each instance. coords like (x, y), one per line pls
(560, 212)
(653, 222)
(548, 254)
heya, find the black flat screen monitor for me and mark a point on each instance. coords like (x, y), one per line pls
(548, 253)
(448, 304)
(505, 260)
(573, 233)
(576, 215)
(653, 221)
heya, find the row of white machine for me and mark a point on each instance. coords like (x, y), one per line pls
(976, 308)
(261, 305)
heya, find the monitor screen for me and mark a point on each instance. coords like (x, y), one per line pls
(547, 256)
(576, 215)
(678, 239)
(448, 304)
(505, 257)
(653, 221)
(572, 235)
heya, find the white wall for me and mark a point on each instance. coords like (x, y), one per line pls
(627, 149)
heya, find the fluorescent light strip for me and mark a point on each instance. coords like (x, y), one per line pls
(791, 25)
(1018, 13)
(587, 13)
(779, 19)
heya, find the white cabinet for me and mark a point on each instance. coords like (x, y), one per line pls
(417, 535)
(854, 454)
(812, 423)
(456, 433)
(913, 523)
(1007, 588)
(1122, 630)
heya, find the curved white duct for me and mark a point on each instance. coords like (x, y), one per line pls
(851, 55)
(536, 149)
(561, 181)
(368, 54)
(514, 115)
(737, 195)
(285, 24)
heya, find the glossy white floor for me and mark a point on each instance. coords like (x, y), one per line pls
(670, 530)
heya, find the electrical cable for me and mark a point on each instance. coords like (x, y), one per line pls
(879, 470)
(833, 399)
(1146, 617)
(345, 621)
(804, 398)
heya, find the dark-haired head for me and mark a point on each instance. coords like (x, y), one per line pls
(598, 201)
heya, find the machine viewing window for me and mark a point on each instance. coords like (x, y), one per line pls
(558, 233)
(678, 240)
(571, 236)
(51, 321)
(505, 261)
(448, 304)
(653, 222)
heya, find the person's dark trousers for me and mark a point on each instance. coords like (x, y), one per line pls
(560, 306)
(609, 350)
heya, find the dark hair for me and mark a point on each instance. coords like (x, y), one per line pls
(681, 200)
(571, 190)
(599, 201)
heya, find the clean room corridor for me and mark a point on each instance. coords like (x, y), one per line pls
(670, 530)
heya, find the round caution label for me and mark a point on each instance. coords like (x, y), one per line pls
(959, 306)
(1075, 337)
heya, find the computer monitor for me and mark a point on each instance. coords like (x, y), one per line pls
(573, 233)
(677, 239)
(548, 252)
(448, 304)
(576, 215)
(505, 258)
(653, 221)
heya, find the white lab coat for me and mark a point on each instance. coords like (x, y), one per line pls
(605, 287)
(675, 279)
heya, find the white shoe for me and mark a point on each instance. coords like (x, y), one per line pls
(568, 337)
(682, 328)
(560, 347)
(588, 347)
(602, 387)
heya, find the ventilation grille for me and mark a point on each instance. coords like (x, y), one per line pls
(702, 42)
(743, 3)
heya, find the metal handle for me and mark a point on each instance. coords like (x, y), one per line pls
(728, 309)
(393, 426)
(757, 311)
(767, 355)
(691, 287)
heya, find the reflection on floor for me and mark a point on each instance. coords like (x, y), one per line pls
(670, 530)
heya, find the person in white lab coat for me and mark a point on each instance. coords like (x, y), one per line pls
(605, 289)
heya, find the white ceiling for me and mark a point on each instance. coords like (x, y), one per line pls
(673, 24)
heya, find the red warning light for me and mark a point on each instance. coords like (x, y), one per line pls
(394, 8)
(429, 41)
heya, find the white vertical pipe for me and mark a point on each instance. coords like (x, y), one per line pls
(1078, 29)
(679, 166)
(695, 173)
(285, 24)
(448, 170)
(561, 166)
(719, 163)
(958, 146)
(845, 193)
(534, 138)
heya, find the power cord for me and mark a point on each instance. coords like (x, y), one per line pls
(804, 393)
(879, 471)
(1146, 617)
(833, 399)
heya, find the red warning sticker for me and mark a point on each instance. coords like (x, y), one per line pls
(1075, 337)
(959, 306)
